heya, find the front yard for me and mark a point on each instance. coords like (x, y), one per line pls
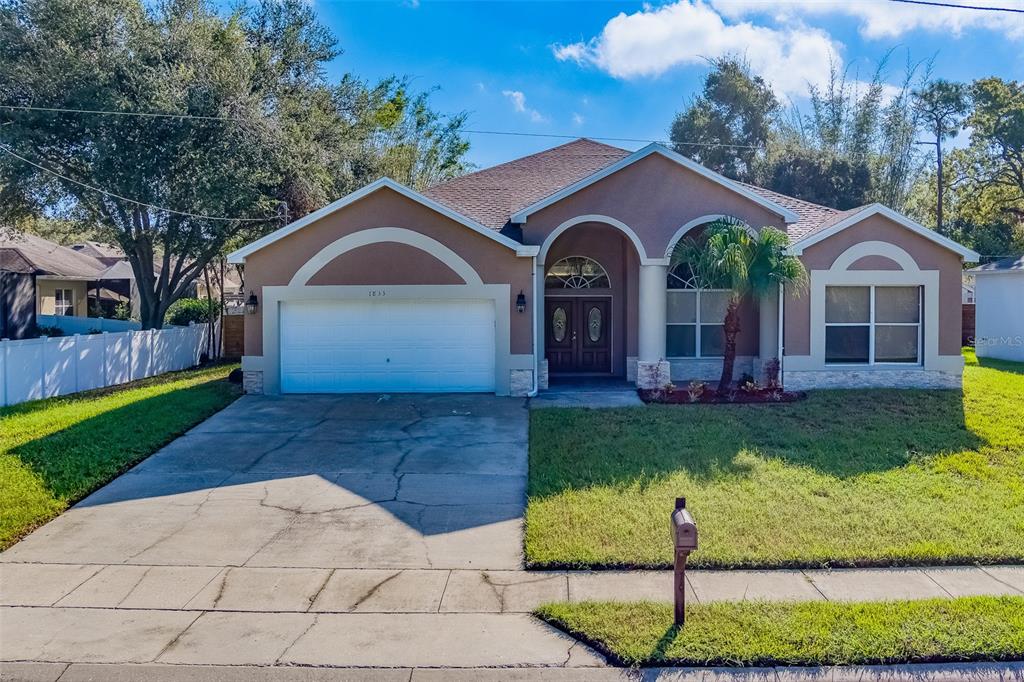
(55, 452)
(845, 478)
(804, 633)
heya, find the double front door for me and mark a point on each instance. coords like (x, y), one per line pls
(577, 338)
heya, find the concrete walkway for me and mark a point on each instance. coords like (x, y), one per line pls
(593, 392)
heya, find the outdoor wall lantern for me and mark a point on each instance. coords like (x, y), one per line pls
(521, 302)
(251, 303)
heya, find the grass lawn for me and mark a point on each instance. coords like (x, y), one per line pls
(54, 452)
(845, 478)
(804, 633)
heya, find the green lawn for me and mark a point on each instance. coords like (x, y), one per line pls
(845, 478)
(55, 452)
(804, 633)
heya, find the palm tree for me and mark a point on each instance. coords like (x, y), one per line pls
(732, 258)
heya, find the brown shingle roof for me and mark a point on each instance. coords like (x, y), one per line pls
(492, 195)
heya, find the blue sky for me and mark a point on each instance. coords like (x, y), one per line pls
(622, 69)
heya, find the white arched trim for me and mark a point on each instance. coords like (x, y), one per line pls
(377, 235)
(697, 222)
(607, 220)
(874, 248)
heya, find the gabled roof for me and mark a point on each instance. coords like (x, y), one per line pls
(786, 214)
(490, 196)
(844, 219)
(240, 255)
(1006, 265)
(50, 259)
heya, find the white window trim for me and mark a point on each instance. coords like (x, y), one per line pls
(910, 275)
(699, 324)
(871, 324)
(66, 298)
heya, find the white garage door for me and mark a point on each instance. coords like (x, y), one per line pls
(370, 346)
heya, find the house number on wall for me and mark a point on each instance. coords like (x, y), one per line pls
(373, 293)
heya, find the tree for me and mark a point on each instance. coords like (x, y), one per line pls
(731, 258)
(819, 176)
(942, 106)
(997, 138)
(868, 128)
(255, 128)
(727, 126)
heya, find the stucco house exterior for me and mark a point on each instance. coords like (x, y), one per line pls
(999, 311)
(557, 265)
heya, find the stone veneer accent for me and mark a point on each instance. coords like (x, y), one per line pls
(252, 382)
(710, 369)
(543, 380)
(653, 374)
(520, 382)
(874, 378)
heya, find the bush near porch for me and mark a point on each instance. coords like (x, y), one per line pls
(804, 633)
(54, 452)
(845, 478)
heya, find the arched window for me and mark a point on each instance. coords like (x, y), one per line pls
(577, 272)
(695, 317)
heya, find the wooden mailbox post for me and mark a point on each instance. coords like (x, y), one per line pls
(684, 536)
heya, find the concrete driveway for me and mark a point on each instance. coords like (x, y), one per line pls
(316, 482)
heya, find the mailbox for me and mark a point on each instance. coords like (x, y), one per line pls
(684, 537)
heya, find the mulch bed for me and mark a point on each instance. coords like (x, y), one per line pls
(711, 396)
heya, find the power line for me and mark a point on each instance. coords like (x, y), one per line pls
(954, 5)
(93, 188)
(104, 112)
(467, 131)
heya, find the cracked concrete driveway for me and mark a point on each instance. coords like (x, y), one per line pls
(325, 531)
(315, 482)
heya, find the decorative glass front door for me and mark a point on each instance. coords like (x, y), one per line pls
(577, 335)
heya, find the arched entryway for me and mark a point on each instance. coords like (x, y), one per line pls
(589, 322)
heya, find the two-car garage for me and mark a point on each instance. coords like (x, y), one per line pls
(375, 345)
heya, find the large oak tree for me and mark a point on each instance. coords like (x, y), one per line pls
(257, 131)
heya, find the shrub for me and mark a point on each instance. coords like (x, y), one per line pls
(48, 330)
(186, 310)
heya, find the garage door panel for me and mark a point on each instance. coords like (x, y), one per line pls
(372, 346)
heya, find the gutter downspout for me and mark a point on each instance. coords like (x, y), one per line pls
(782, 348)
(536, 336)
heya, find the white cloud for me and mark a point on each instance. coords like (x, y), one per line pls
(885, 19)
(688, 32)
(518, 100)
(577, 119)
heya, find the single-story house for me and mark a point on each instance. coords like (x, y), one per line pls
(40, 277)
(999, 311)
(558, 265)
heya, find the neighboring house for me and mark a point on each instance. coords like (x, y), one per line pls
(39, 277)
(557, 265)
(999, 311)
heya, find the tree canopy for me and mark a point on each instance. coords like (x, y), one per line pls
(243, 126)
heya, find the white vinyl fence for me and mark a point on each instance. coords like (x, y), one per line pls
(45, 367)
(86, 325)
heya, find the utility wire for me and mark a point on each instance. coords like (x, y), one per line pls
(467, 131)
(93, 188)
(954, 5)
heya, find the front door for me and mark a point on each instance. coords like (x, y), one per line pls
(577, 338)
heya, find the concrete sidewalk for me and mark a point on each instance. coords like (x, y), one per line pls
(323, 590)
(83, 672)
